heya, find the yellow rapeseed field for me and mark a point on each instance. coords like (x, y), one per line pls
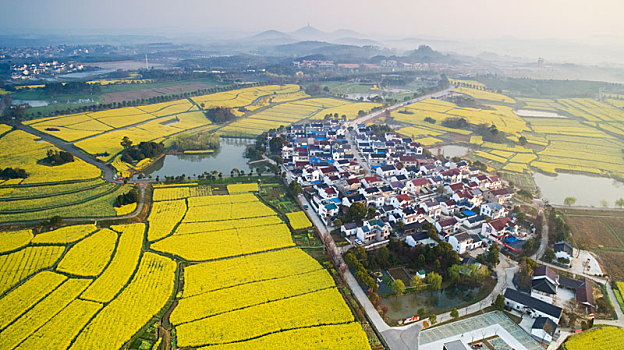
(122, 265)
(163, 218)
(17, 266)
(307, 310)
(89, 256)
(70, 320)
(13, 240)
(212, 275)
(28, 294)
(220, 244)
(242, 188)
(298, 220)
(42, 312)
(64, 235)
(145, 295)
(341, 336)
(603, 338)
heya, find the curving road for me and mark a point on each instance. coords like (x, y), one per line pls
(363, 119)
(107, 170)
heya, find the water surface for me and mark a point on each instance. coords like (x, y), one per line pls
(405, 306)
(229, 156)
(588, 190)
(450, 151)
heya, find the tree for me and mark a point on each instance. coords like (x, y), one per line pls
(433, 318)
(421, 260)
(356, 212)
(417, 283)
(522, 140)
(431, 230)
(276, 144)
(371, 212)
(351, 260)
(492, 256)
(453, 273)
(619, 203)
(434, 280)
(421, 312)
(569, 201)
(454, 313)
(398, 287)
(360, 252)
(549, 255)
(499, 302)
(126, 142)
(295, 188)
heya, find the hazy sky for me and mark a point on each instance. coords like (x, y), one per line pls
(564, 19)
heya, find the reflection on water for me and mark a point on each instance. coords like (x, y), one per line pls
(588, 190)
(408, 305)
(229, 156)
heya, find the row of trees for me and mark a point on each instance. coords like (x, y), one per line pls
(74, 108)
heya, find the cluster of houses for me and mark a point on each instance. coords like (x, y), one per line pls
(341, 166)
(548, 295)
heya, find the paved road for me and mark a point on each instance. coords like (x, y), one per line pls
(544, 241)
(107, 171)
(364, 119)
(357, 154)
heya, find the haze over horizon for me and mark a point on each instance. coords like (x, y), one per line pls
(479, 19)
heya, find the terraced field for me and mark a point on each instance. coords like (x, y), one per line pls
(260, 108)
(245, 285)
(553, 139)
(73, 189)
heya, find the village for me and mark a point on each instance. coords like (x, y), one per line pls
(407, 196)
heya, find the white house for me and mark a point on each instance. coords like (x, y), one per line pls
(463, 242)
(349, 229)
(531, 306)
(493, 210)
(387, 171)
(564, 250)
(543, 329)
(498, 228)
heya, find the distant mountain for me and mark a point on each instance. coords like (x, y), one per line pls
(345, 33)
(355, 41)
(309, 33)
(272, 35)
(329, 50)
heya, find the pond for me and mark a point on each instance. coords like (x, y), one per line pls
(588, 190)
(32, 103)
(229, 156)
(439, 301)
(450, 151)
(538, 114)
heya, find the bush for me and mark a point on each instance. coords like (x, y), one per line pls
(13, 173)
(127, 198)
